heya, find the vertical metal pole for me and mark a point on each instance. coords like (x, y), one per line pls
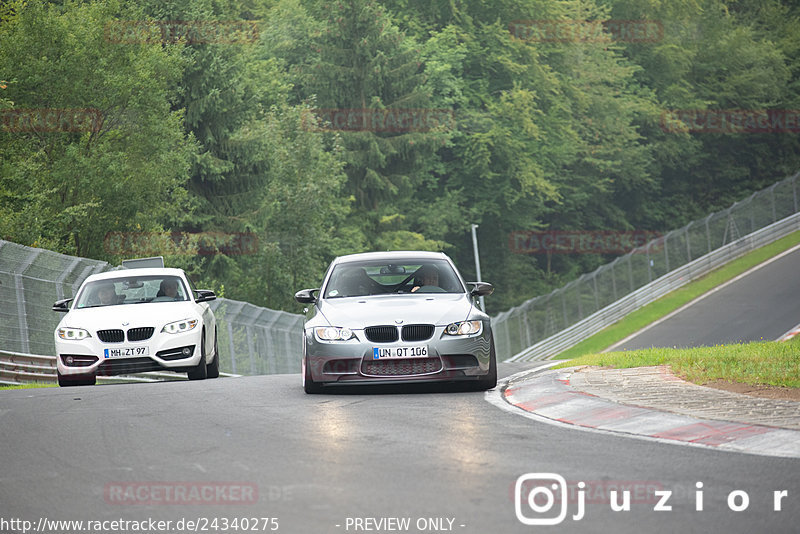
(22, 312)
(614, 280)
(774, 209)
(630, 272)
(477, 260)
(532, 325)
(250, 351)
(59, 282)
(523, 329)
(230, 344)
(688, 244)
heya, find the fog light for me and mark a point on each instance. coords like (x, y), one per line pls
(186, 351)
(69, 360)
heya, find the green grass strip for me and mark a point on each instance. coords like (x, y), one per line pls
(642, 317)
(27, 386)
(760, 363)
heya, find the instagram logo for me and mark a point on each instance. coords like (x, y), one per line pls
(540, 492)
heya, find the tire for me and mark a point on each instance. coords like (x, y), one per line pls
(490, 380)
(200, 371)
(212, 370)
(76, 380)
(309, 385)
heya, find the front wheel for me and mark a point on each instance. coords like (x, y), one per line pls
(309, 385)
(490, 380)
(200, 371)
(212, 370)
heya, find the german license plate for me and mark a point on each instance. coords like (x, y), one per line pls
(124, 352)
(417, 351)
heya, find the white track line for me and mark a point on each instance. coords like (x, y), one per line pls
(790, 334)
(701, 297)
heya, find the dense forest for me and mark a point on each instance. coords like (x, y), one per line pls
(251, 141)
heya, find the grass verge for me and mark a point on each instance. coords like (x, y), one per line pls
(27, 386)
(762, 363)
(637, 320)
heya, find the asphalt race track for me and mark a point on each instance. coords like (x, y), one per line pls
(761, 306)
(348, 462)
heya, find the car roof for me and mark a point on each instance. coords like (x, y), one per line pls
(394, 255)
(127, 273)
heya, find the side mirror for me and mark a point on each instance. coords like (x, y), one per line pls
(204, 295)
(481, 288)
(62, 305)
(306, 296)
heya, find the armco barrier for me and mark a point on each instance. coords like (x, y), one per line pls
(656, 289)
(19, 368)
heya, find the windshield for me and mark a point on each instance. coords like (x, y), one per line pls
(357, 279)
(132, 290)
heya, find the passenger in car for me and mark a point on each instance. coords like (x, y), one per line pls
(356, 283)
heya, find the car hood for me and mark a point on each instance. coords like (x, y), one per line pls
(155, 314)
(359, 312)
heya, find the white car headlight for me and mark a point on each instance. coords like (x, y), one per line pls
(179, 326)
(333, 333)
(73, 334)
(464, 328)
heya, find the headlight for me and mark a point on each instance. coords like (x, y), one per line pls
(179, 326)
(464, 328)
(73, 334)
(333, 333)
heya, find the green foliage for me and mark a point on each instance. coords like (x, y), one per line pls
(126, 170)
(356, 60)
(220, 138)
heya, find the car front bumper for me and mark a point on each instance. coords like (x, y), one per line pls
(164, 352)
(449, 358)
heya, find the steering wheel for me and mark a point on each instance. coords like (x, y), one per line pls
(396, 288)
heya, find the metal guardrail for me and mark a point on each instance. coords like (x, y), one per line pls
(656, 289)
(20, 368)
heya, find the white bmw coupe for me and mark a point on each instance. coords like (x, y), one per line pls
(136, 320)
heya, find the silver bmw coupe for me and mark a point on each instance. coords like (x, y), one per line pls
(389, 317)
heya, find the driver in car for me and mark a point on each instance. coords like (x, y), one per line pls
(168, 288)
(106, 295)
(426, 279)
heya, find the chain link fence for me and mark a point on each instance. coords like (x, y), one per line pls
(254, 340)
(540, 318)
(251, 339)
